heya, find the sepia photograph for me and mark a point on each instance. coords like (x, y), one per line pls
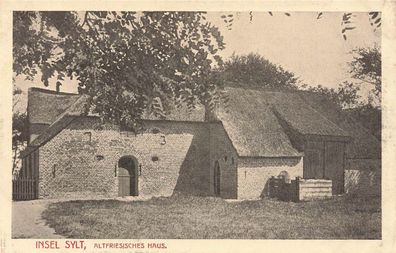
(195, 125)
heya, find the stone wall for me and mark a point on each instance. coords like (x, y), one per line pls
(363, 177)
(82, 159)
(254, 174)
(222, 151)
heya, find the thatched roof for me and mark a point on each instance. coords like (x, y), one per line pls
(251, 119)
(45, 106)
(252, 126)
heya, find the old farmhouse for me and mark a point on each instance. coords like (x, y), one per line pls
(258, 134)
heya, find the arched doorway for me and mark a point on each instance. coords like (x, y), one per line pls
(127, 176)
(216, 179)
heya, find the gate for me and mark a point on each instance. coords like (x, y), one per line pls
(24, 189)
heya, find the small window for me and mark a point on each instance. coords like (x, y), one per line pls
(87, 136)
(232, 160)
(124, 133)
(163, 140)
(54, 171)
(155, 131)
(155, 159)
(225, 158)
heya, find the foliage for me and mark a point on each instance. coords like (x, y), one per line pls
(369, 116)
(345, 96)
(253, 70)
(19, 130)
(126, 61)
(366, 66)
(15, 92)
(19, 136)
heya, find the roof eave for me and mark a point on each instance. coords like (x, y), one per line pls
(299, 155)
(340, 138)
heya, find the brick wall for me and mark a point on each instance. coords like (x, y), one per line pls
(69, 164)
(363, 176)
(254, 174)
(222, 150)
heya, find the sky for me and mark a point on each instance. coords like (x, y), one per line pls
(313, 49)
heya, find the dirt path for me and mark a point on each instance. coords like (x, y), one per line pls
(27, 221)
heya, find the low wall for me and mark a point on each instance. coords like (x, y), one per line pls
(363, 177)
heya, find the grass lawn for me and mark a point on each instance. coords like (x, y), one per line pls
(185, 217)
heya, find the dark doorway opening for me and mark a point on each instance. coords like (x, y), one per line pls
(128, 176)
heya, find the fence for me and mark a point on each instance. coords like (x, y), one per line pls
(24, 189)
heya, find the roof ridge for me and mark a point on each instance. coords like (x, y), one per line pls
(52, 91)
(263, 89)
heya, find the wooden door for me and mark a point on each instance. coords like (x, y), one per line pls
(334, 165)
(127, 177)
(124, 182)
(216, 179)
(313, 160)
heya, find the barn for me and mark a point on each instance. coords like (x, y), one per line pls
(231, 152)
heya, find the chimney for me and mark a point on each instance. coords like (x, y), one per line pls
(58, 84)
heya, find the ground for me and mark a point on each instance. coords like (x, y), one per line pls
(27, 221)
(346, 217)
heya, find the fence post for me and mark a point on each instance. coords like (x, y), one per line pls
(297, 189)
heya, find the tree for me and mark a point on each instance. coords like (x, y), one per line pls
(345, 96)
(19, 137)
(19, 130)
(254, 71)
(369, 116)
(126, 62)
(366, 66)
